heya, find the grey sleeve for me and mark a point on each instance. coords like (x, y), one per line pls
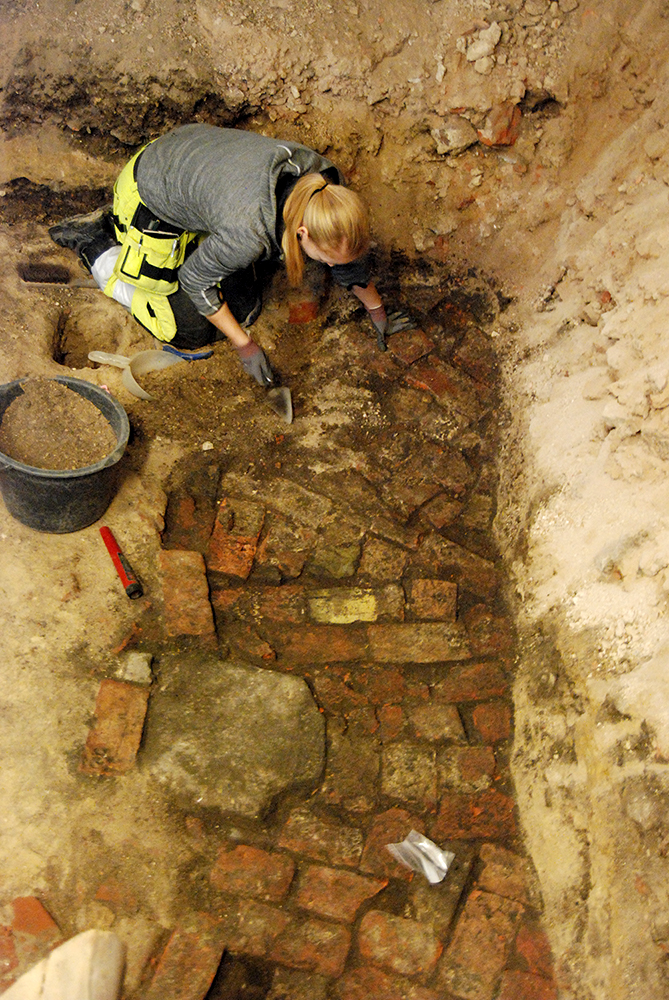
(200, 274)
(355, 273)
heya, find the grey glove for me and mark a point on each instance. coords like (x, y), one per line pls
(387, 325)
(255, 363)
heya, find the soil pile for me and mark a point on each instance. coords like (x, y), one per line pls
(49, 426)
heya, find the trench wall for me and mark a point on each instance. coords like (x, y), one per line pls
(564, 210)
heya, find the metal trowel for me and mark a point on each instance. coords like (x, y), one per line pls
(279, 399)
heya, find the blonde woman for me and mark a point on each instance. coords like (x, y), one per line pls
(194, 211)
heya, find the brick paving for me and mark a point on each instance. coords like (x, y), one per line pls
(379, 586)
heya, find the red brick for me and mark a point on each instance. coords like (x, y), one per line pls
(302, 311)
(409, 345)
(30, 917)
(253, 928)
(507, 874)
(245, 640)
(489, 815)
(442, 511)
(320, 643)
(335, 894)
(234, 540)
(489, 635)
(285, 547)
(398, 944)
(476, 356)
(471, 682)
(189, 523)
(474, 574)
(480, 946)
(382, 560)
(420, 643)
(391, 721)
(250, 871)
(186, 594)
(118, 894)
(189, 962)
(410, 773)
(492, 721)
(8, 958)
(335, 695)
(313, 945)
(371, 983)
(389, 827)
(525, 986)
(322, 840)
(533, 949)
(448, 385)
(285, 603)
(381, 684)
(434, 600)
(113, 742)
(502, 125)
(437, 722)
(466, 769)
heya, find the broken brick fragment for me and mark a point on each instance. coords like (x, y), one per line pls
(113, 742)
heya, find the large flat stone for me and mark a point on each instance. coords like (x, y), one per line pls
(233, 737)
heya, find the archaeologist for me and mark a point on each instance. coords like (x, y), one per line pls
(196, 209)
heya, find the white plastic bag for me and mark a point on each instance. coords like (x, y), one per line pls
(422, 855)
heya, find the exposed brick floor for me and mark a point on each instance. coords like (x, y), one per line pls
(379, 586)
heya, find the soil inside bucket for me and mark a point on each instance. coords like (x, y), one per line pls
(50, 426)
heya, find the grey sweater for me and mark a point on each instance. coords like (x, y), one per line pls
(223, 182)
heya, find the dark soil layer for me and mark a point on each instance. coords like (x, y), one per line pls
(51, 427)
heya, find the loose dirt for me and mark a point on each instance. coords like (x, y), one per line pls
(50, 426)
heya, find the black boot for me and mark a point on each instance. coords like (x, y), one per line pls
(88, 235)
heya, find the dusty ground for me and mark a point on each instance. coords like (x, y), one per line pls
(569, 223)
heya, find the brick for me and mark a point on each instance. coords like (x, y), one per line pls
(285, 547)
(391, 721)
(371, 983)
(480, 946)
(344, 605)
(353, 764)
(335, 894)
(533, 949)
(320, 643)
(525, 986)
(466, 769)
(434, 600)
(489, 815)
(118, 893)
(492, 721)
(502, 126)
(471, 682)
(113, 742)
(234, 540)
(436, 905)
(195, 946)
(474, 574)
(409, 345)
(293, 984)
(320, 839)
(398, 944)
(31, 917)
(389, 827)
(186, 594)
(508, 874)
(188, 523)
(437, 722)
(489, 635)
(251, 930)
(8, 958)
(409, 772)
(335, 695)
(476, 356)
(313, 945)
(420, 643)
(244, 639)
(382, 560)
(304, 310)
(250, 871)
(381, 684)
(335, 554)
(285, 604)
(478, 512)
(447, 384)
(442, 511)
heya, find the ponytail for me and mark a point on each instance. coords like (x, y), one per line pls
(334, 215)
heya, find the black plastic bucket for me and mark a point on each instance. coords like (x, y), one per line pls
(56, 500)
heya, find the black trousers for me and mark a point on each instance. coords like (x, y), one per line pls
(241, 292)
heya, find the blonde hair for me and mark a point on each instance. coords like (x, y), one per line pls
(334, 215)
